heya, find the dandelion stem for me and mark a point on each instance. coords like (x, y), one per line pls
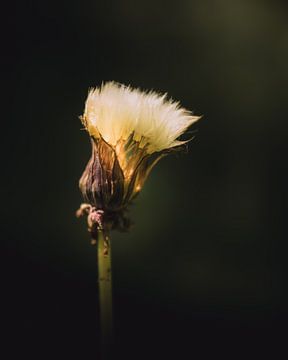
(105, 293)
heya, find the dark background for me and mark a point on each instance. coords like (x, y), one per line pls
(203, 272)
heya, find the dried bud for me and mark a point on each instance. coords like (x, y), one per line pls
(130, 131)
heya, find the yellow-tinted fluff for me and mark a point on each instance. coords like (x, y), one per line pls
(114, 111)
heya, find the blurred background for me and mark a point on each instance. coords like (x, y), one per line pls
(203, 272)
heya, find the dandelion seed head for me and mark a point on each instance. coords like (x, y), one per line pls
(115, 112)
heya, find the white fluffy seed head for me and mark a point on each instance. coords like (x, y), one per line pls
(115, 111)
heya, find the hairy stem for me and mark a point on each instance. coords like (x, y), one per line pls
(105, 293)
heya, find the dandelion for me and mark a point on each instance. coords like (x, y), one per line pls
(130, 132)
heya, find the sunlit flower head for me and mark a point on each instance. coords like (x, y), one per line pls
(115, 112)
(130, 131)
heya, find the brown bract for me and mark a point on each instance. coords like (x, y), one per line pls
(114, 176)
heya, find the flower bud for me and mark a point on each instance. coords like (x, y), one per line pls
(130, 131)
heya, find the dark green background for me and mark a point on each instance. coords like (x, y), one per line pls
(203, 272)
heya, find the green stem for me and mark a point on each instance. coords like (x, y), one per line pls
(105, 293)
